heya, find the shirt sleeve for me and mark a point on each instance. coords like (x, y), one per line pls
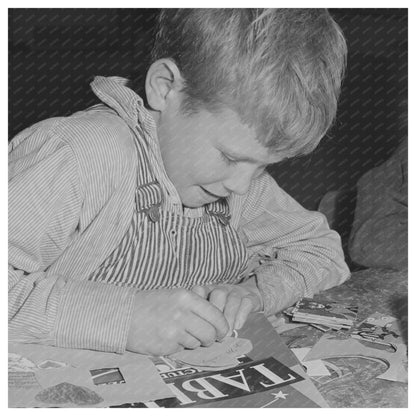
(45, 202)
(292, 251)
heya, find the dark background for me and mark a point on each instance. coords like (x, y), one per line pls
(55, 53)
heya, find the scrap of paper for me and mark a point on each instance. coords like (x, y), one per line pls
(314, 368)
(323, 315)
(330, 347)
(379, 328)
(219, 355)
(23, 380)
(17, 363)
(249, 378)
(280, 324)
(332, 311)
(60, 377)
(323, 328)
(67, 393)
(307, 388)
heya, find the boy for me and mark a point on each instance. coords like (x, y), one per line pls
(156, 229)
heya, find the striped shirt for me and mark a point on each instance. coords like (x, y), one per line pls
(72, 183)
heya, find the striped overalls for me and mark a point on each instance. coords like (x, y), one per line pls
(163, 249)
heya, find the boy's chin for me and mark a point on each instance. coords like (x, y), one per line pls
(193, 204)
(194, 198)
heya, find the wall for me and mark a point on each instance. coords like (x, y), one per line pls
(55, 53)
(372, 114)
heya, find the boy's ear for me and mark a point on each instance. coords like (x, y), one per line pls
(162, 78)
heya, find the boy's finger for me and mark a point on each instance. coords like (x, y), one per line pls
(246, 307)
(200, 329)
(189, 341)
(200, 291)
(231, 308)
(218, 297)
(210, 313)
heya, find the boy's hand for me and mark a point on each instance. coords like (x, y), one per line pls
(167, 320)
(235, 301)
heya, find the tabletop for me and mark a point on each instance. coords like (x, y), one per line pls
(353, 381)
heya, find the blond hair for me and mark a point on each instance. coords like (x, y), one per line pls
(280, 70)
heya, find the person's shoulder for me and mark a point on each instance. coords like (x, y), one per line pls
(98, 130)
(263, 192)
(263, 189)
(102, 143)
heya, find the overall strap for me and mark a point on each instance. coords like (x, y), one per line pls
(220, 210)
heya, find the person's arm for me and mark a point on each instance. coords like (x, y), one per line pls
(47, 198)
(45, 201)
(293, 253)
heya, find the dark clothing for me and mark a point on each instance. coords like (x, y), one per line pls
(379, 237)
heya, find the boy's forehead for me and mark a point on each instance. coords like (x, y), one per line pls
(225, 130)
(241, 141)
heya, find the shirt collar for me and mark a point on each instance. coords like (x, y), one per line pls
(114, 92)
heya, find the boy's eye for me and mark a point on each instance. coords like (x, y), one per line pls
(228, 160)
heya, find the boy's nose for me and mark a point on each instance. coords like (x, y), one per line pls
(239, 182)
